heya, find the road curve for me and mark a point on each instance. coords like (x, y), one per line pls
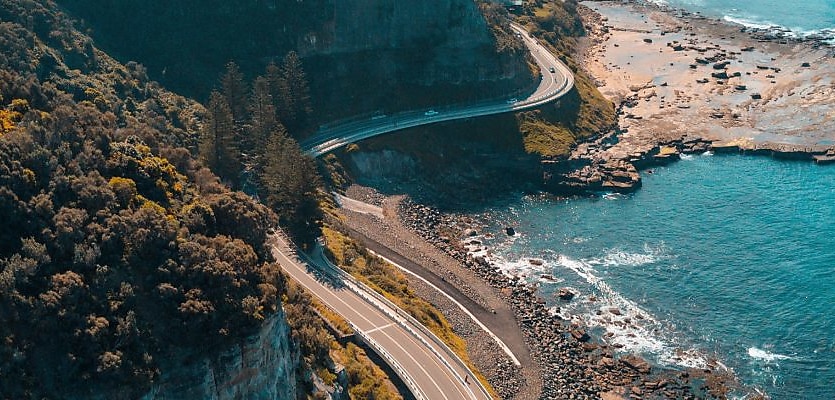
(430, 370)
(552, 86)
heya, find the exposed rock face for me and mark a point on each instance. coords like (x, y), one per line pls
(360, 56)
(372, 53)
(262, 367)
(391, 24)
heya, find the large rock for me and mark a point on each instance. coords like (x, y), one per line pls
(636, 363)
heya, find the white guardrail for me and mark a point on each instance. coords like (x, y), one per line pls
(367, 294)
(364, 291)
(333, 136)
(392, 362)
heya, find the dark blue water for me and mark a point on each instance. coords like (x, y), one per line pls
(801, 16)
(725, 257)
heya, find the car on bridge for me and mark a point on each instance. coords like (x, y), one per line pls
(430, 113)
(512, 101)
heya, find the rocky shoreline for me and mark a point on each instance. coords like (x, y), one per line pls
(712, 86)
(573, 364)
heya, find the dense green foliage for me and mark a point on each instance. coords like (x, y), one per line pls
(119, 251)
(252, 149)
(114, 258)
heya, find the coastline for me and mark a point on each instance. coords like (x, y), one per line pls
(563, 358)
(684, 83)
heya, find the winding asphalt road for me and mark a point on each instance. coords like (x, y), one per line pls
(552, 86)
(428, 368)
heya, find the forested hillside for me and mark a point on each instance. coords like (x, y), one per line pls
(120, 251)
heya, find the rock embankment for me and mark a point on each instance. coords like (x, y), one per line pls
(508, 380)
(573, 364)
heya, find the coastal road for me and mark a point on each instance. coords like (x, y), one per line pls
(552, 86)
(429, 369)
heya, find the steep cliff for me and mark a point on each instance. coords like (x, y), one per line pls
(390, 55)
(263, 366)
(361, 55)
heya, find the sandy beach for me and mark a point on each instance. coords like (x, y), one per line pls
(681, 76)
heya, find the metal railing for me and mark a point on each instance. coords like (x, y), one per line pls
(370, 295)
(392, 362)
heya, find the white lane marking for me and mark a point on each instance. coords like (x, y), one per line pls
(420, 346)
(546, 61)
(461, 306)
(431, 356)
(379, 328)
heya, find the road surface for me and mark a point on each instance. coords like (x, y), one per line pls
(428, 368)
(552, 86)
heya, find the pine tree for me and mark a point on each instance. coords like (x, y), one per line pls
(289, 85)
(262, 114)
(217, 142)
(235, 91)
(290, 182)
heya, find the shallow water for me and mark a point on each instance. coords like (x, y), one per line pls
(802, 16)
(726, 257)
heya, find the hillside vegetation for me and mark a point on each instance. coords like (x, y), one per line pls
(583, 113)
(120, 252)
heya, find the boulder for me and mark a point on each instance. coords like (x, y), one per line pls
(721, 65)
(580, 335)
(565, 294)
(720, 75)
(636, 363)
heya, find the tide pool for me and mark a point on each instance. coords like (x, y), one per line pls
(716, 258)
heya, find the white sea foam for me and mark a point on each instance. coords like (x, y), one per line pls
(686, 157)
(761, 354)
(625, 322)
(617, 257)
(764, 25)
(790, 32)
(707, 154)
(613, 196)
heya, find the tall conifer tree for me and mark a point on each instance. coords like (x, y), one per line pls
(235, 91)
(217, 142)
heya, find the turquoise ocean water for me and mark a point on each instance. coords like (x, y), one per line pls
(802, 17)
(728, 258)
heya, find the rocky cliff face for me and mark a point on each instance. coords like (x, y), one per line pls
(360, 25)
(361, 56)
(262, 367)
(386, 55)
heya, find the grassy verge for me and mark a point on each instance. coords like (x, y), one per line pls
(391, 283)
(584, 112)
(365, 379)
